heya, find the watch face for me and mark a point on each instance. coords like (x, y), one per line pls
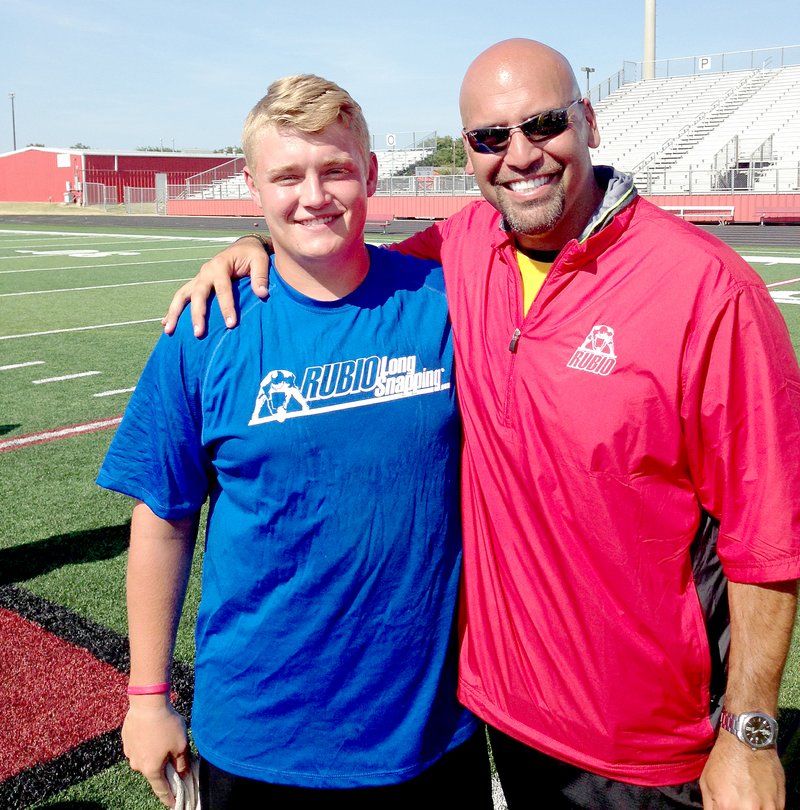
(758, 731)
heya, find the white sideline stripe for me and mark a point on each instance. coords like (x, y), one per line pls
(66, 377)
(124, 236)
(112, 393)
(786, 297)
(47, 435)
(97, 287)
(131, 263)
(79, 329)
(780, 283)
(772, 259)
(22, 365)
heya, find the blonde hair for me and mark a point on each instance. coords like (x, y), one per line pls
(306, 103)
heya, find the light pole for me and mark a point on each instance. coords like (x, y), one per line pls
(13, 121)
(587, 71)
(649, 65)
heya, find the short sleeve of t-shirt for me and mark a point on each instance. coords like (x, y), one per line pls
(156, 455)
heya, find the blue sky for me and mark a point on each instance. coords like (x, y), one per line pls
(122, 74)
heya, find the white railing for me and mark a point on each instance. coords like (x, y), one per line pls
(777, 178)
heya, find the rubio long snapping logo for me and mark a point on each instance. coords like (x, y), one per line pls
(596, 354)
(344, 384)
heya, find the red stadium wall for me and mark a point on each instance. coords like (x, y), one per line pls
(747, 208)
(33, 175)
(213, 208)
(416, 207)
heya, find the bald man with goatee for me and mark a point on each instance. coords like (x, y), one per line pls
(630, 470)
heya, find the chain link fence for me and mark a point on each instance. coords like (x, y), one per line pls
(98, 195)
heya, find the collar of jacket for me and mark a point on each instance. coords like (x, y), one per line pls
(604, 227)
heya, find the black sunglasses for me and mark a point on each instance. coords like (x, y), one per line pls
(495, 140)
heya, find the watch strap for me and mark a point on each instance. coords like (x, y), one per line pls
(728, 721)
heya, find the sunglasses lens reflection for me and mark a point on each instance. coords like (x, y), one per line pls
(546, 125)
(489, 140)
(493, 140)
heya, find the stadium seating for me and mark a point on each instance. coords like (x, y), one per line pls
(393, 161)
(704, 132)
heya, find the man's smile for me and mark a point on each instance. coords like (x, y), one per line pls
(318, 221)
(529, 184)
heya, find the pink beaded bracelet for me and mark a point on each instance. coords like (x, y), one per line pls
(153, 689)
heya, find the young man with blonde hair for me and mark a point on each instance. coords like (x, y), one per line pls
(325, 432)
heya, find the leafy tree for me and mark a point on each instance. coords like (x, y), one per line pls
(449, 157)
(34, 144)
(229, 150)
(80, 145)
(155, 149)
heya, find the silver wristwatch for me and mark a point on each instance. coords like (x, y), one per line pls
(756, 729)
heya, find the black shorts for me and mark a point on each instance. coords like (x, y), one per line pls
(533, 780)
(461, 778)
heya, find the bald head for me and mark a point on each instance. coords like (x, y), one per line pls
(512, 68)
(543, 185)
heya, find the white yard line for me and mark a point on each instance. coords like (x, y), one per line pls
(22, 365)
(79, 329)
(114, 393)
(66, 377)
(166, 238)
(772, 259)
(194, 259)
(59, 433)
(55, 252)
(786, 297)
(97, 287)
(781, 283)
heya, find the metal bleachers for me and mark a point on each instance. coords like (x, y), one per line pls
(637, 127)
(706, 132)
(393, 161)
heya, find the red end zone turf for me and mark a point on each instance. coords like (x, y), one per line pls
(53, 695)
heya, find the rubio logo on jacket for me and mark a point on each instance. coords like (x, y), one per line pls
(282, 394)
(596, 354)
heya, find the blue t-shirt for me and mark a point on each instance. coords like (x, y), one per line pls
(327, 437)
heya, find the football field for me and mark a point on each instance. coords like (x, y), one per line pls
(80, 310)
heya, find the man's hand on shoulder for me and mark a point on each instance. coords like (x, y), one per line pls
(247, 256)
(737, 778)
